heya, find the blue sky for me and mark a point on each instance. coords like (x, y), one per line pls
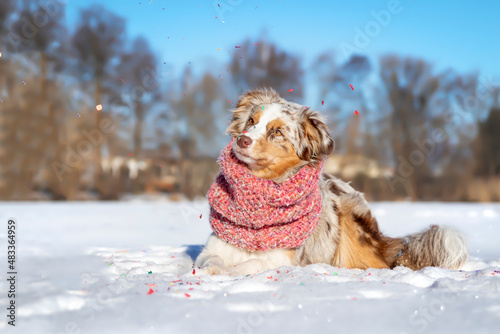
(463, 35)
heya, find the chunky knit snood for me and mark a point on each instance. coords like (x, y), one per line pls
(259, 214)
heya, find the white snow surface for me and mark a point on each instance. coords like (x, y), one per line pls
(127, 267)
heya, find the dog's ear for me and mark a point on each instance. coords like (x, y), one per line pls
(246, 103)
(315, 139)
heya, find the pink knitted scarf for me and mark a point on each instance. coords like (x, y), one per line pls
(259, 214)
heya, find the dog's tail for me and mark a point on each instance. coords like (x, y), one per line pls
(436, 246)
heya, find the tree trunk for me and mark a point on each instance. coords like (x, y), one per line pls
(139, 120)
(97, 149)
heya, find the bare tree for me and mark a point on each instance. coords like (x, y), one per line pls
(139, 69)
(263, 65)
(410, 86)
(199, 111)
(44, 50)
(335, 85)
(98, 41)
(487, 151)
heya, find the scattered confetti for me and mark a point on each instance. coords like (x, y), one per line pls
(187, 295)
(356, 112)
(151, 291)
(237, 47)
(322, 103)
(24, 83)
(351, 87)
(290, 90)
(302, 283)
(150, 272)
(123, 80)
(130, 154)
(201, 215)
(230, 101)
(263, 107)
(256, 44)
(194, 271)
(98, 107)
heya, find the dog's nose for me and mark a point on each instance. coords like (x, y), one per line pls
(243, 141)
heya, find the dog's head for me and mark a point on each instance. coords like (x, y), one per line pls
(275, 136)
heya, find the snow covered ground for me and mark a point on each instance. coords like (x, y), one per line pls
(126, 267)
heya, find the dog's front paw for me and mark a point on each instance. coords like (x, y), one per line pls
(214, 270)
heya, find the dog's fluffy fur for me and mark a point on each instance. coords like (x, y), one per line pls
(286, 136)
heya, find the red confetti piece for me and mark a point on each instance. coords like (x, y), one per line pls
(352, 87)
(256, 43)
(201, 215)
(194, 271)
(269, 277)
(123, 80)
(356, 112)
(230, 101)
(322, 103)
(130, 154)
(151, 291)
(187, 294)
(237, 47)
(290, 90)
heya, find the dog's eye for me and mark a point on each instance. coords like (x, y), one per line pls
(251, 121)
(277, 133)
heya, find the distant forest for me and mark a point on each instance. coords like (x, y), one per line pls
(87, 113)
